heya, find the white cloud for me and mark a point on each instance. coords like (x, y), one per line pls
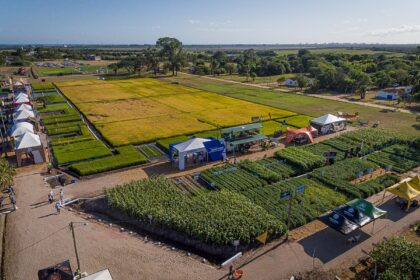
(193, 21)
(156, 27)
(403, 29)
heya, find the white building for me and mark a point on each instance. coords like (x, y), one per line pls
(387, 94)
(291, 82)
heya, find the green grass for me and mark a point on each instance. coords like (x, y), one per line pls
(126, 156)
(298, 121)
(258, 80)
(43, 87)
(150, 151)
(57, 140)
(269, 127)
(51, 98)
(302, 104)
(74, 130)
(54, 71)
(62, 125)
(56, 108)
(62, 118)
(80, 151)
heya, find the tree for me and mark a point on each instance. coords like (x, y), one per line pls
(302, 82)
(6, 174)
(114, 67)
(230, 68)
(171, 49)
(248, 60)
(253, 76)
(152, 59)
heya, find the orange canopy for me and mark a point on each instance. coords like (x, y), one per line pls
(291, 133)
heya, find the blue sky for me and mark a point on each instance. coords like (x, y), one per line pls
(209, 22)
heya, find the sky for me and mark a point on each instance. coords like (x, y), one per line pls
(209, 21)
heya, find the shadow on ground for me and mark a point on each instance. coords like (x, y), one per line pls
(328, 244)
(394, 211)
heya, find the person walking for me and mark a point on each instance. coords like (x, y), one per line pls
(61, 196)
(13, 201)
(51, 197)
(58, 207)
(2, 200)
(10, 190)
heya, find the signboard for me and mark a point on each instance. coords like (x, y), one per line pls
(330, 154)
(236, 243)
(284, 194)
(300, 188)
(215, 149)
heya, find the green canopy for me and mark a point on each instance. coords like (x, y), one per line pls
(366, 208)
(253, 138)
(242, 128)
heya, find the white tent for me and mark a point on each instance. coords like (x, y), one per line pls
(26, 125)
(194, 145)
(21, 100)
(17, 83)
(101, 275)
(20, 95)
(20, 130)
(27, 140)
(327, 119)
(23, 116)
(23, 107)
(29, 144)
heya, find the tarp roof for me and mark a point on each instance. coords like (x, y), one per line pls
(27, 140)
(241, 128)
(353, 215)
(338, 222)
(366, 208)
(404, 189)
(22, 124)
(20, 130)
(21, 95)
(23, 115)
(327, 119)
(250, 139)
(25, 107)
(101, 275)
(291, 133)
(415, 182)
(60, 271)
(21, 99)
(191, 145)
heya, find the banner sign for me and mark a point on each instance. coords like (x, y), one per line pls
(284, 194)
(215, 149)
(330, 154)
(300, 188)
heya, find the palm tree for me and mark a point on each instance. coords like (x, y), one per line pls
(6, 174)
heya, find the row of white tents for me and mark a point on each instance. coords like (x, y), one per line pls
(26, 141)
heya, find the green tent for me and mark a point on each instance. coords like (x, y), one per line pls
(367, 208)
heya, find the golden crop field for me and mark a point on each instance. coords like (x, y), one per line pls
(142, 110)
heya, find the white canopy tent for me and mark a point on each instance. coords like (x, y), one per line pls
(329, 123)
(29, 143)
(327, 119)
(194, 145)
(26, 125)
(21, 100)
(20, 130)
(17, 83)
(23, 107)
(20, 95)
(23, 116)
(101, 275)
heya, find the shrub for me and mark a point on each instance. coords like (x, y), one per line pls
(126, 156)
(260, 171)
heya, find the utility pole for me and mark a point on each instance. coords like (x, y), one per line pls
(75, 247)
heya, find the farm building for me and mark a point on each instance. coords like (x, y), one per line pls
(387, 94)
(329, 123)
(291, 82)
(93, 57)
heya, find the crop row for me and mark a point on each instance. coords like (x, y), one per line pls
(301, 158)
(216, 218)
(80, 151)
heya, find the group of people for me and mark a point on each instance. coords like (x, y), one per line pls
(58, 203)
(12, 199)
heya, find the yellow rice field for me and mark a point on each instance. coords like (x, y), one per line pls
(137, 111)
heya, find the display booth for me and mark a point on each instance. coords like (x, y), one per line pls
(303, 135)
(408, 189)
(61, 271)
(23, 107)
(21, 100)
(196, 150)
(20, 128)
(23, 116)
(29, 145)
(329, 123)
